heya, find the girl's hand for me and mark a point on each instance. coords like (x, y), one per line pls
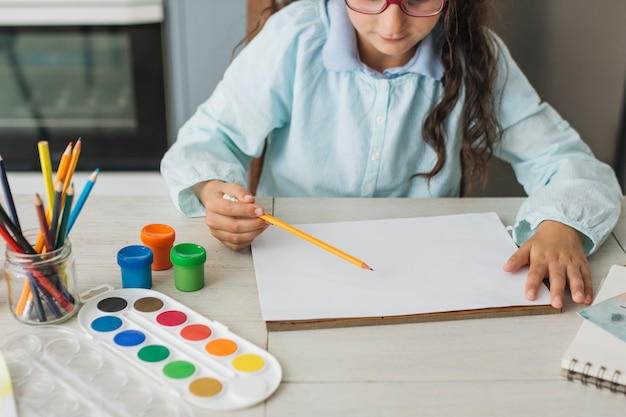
(556, 252)
(234, 224)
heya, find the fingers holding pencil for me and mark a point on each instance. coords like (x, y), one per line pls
(235, 225)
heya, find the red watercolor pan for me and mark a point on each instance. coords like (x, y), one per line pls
(201, 359)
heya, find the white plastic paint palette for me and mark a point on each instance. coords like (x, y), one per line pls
(60, 372)
(201, 359)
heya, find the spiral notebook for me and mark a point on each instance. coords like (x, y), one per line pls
(597, 355)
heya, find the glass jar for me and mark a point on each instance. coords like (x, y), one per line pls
(41, 287)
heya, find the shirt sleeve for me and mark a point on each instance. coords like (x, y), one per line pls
(231, 127)
(563, 179)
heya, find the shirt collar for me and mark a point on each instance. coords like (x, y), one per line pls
(340, 52)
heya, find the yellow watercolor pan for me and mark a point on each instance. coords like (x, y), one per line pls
(200, 359)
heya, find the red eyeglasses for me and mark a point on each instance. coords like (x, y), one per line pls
(415, 8)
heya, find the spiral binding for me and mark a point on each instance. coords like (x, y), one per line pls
(598, 380)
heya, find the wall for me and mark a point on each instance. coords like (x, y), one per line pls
(201, 35)
(574, 53)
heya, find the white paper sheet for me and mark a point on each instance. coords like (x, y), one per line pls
(420, 265)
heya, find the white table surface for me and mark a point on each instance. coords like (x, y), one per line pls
(504, 366)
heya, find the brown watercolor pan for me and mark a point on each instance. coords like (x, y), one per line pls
(201, 359)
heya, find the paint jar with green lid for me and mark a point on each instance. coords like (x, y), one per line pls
(188, 260)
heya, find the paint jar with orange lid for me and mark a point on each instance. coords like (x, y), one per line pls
(188, 260)
(160, 239)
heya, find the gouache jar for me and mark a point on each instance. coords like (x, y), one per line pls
(135, 262)
(188, 260)
(41, 287)
(160, 239)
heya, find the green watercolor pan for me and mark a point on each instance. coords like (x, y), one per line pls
(201, 360)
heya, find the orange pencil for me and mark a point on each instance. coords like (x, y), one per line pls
(64, 164)
(72, 166)
(25, 298)
(299, 233)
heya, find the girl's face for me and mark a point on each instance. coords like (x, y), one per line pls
(389, 39)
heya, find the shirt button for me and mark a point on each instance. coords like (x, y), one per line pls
(380, 120)
(375, 156)
(369, 187)
(383, 85)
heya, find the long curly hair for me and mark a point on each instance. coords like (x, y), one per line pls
(469, 60)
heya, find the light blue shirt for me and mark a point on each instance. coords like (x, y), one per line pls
(336, 128)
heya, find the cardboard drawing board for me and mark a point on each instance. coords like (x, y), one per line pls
(424, 269)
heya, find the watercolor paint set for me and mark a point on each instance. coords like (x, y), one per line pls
(58, 371)
(200, 359)
(173, 353)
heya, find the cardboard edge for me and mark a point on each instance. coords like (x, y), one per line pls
(412, 318)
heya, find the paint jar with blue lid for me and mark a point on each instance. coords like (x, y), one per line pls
(135, 262)
(188, 260)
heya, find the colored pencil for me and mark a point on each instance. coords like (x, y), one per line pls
(17, 234)
(299, 233)
(35, 300)
(7, 193)
(82, 199)
(54, 292)
(25, 313)
(10, 241)
(72, 165)
(44, 282)
(26, 292)
(67, 207)
(64, 164)
(24, 296)
(61, 173)
(46, 169)
(48, 239)
(48, 299)
(43, 223)
(56, 211)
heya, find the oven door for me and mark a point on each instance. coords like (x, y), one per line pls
(101, 81)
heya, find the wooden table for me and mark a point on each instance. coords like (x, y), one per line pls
(504, 366)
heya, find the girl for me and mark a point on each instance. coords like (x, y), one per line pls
(392, 98)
